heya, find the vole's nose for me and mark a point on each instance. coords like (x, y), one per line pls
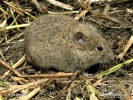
(108, 57)
(111, 55)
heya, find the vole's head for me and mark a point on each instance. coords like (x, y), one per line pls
(90, 46)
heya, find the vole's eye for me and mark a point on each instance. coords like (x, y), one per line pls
(99, 48)
(79, 37)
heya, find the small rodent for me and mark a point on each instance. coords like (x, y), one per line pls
(65, 44)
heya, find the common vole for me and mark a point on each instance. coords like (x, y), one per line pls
(63, 43)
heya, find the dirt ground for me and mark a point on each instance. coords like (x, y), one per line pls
(117, 27)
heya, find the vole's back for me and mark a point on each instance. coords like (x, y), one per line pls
(61, 42)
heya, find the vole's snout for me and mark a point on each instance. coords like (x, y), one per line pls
(111, 55)
(108, 57)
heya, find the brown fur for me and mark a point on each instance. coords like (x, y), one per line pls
(63, 43)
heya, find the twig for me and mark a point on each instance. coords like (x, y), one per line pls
(16, 88)
(81, 14)
(57, 3)
(87, 7)
(106, 9)
(130, 42)
(20, 11)
(31, 94)
(106, 16)
(37, 5)
(58, 75)
(120, 1)
(126, 93)
(14, 66)
(12, 69)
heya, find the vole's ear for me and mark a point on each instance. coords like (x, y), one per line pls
(79, 36)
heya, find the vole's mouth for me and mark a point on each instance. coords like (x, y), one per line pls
(93, 68)
(98, 67)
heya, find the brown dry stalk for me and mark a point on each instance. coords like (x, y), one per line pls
(58, 75)
(31, 94)
(120, 1)
(39, 7)
(16, 88)
(57, 3)
(126, 93)
(12, 69)
(14, 66)
(20, 11)
(130, 42)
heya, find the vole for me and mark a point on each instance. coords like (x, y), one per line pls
(65, 44)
